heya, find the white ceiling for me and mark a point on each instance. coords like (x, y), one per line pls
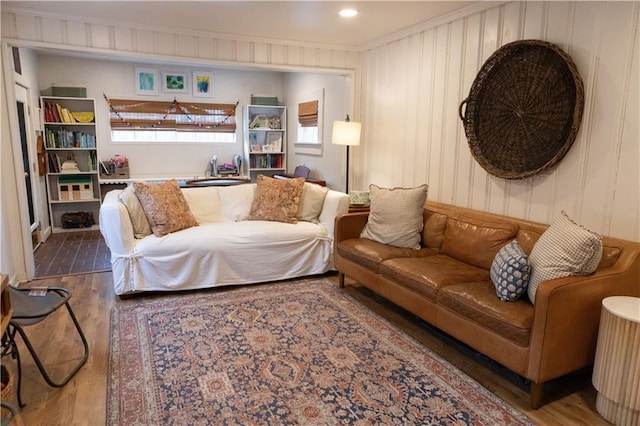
(299, 21)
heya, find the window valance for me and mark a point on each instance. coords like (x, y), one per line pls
(308, 114)
(143, 115)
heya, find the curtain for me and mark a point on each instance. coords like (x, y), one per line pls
(308, 114)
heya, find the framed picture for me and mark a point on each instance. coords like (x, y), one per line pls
(146, 81)
(202, 84)
(274, 141)
(174, 82)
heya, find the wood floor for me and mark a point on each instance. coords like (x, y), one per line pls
(568, 401)
(68, 253)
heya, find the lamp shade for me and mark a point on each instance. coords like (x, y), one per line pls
(346, 133)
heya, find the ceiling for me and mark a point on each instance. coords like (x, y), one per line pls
(297, 21)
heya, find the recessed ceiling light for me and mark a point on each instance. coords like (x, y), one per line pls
(348, 13)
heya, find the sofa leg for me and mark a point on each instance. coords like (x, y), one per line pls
(340, 280)
(535, 395)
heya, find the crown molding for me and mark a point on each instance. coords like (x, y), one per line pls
(432, 23)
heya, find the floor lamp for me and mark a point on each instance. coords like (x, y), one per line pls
(346, 133)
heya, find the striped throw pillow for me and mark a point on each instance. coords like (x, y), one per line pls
(564, 249)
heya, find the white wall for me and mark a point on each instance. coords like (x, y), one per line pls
(330, 164)
(115, 79)
(412, 87)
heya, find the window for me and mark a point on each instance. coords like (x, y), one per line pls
(171, 121)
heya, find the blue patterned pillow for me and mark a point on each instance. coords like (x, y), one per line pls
(510, 272)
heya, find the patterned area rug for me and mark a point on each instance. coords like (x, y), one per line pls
(301, 352)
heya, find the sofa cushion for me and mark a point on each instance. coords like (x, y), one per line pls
(433, 232)
(510, 272)
(141, 227)
(427, 275)
(477, 301)
(235, 201)
(475, 241)
(396, 216)
(370, 253)
(610, 256)
(204, 204)
(564, 249)
(527, 239)
(165, 207)
(311, 202)
(276, 199)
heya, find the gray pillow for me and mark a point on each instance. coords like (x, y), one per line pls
(395, 216)
(564, 249)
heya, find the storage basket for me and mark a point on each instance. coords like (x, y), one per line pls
(71, 220)
(524, 109)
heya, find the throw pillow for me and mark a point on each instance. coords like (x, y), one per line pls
(165, 207)
(141, 227)
(276, 199)
(236, 200)
(204, 204)
(396, 216)
(510, 272)
(564, 249)
(311, 202)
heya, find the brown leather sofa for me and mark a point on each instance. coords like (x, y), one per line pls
(447, 284)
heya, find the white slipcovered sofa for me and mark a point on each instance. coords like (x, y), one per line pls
(223, 249)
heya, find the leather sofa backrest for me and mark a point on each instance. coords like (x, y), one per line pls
(433, 230)
(436, 221)
(475, 241)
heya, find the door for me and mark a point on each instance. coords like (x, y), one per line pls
(29, 166)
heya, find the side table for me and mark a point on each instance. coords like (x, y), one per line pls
(616, 370)
(359, 208)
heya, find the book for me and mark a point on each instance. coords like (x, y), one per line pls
(58, 113)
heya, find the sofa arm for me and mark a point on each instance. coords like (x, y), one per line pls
(350, 225)
(567, 316)
(115, 225)
(335, 204)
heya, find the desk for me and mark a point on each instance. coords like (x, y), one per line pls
(310, 180)
(616, 370)
(107, 185)
(215, 181)
(182, 181)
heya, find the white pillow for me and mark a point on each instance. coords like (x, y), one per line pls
(564, 249)
(141, 227)
(204, 203)
(396, 216)
(311, 202)
(236, 200)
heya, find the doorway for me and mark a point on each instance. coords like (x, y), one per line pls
(29, 170)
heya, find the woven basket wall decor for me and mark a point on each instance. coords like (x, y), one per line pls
(524, 109)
